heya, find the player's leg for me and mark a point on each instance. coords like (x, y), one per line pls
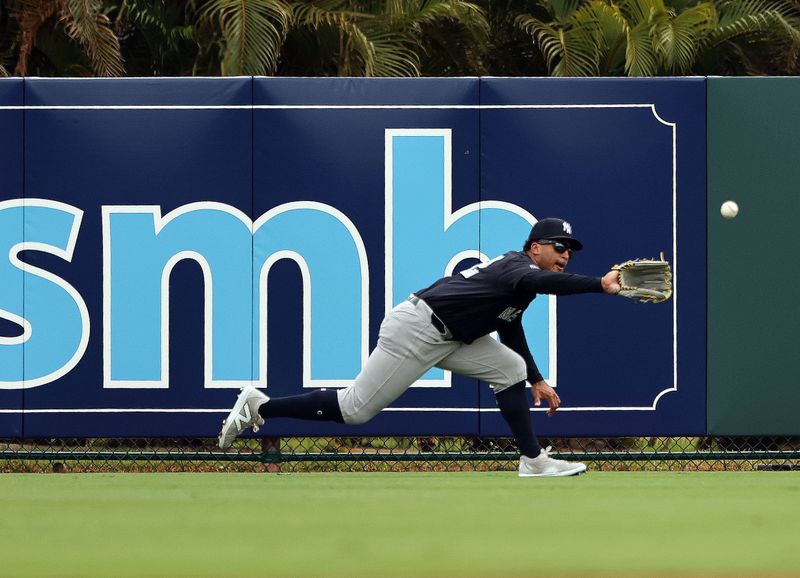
(408, 345)
(319, 405)
(489, 360)
(252, 407)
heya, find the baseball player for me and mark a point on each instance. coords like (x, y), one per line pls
(448, 325)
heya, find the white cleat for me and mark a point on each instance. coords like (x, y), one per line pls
(243, 415)
(545, 466)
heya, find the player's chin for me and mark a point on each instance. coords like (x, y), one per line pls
(559, 268)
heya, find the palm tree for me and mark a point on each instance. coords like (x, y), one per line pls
(252, 33)
(363, 38)
(634, 37)
(652, 37)
(158, 38)
(42, 24)
(399, 37)
(752, 37)
(332, 37)
(509, 51)
(463, 46)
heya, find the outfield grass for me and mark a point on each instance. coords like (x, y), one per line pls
(375, 524)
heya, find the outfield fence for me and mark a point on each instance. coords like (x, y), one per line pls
(364, 454)
(214, 239)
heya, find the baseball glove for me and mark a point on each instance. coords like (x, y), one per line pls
(645, 280)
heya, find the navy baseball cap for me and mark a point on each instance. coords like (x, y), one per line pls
(555, 230)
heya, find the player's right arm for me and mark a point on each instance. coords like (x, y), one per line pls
(540, 282)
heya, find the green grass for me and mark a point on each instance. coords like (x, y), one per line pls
(376, 524)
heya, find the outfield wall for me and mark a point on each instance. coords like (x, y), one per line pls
(169, 240)
(753, 312)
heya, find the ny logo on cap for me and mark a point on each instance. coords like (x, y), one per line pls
(567, 228)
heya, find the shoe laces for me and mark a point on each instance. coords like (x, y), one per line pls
(547, 453)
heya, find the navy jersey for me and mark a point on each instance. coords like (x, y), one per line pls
(491, 297)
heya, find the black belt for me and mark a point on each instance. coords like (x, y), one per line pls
(435, 321)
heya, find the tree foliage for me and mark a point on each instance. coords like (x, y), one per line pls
(82, 21)
(656, 37)
(378, 38)
(398, 37)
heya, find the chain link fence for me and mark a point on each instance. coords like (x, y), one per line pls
(396, 454)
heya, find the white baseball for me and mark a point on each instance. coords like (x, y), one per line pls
(729, 209)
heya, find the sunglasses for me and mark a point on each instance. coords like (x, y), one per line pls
(558, 246)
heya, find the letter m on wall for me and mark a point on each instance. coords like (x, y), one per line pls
(141, 248)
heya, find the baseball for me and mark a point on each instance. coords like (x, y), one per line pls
(729, 209)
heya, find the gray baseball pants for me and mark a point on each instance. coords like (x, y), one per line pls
(408, 346)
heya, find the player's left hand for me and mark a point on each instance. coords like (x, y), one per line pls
(542, 390)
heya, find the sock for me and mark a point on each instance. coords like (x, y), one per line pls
(321, 405)
(515, 409)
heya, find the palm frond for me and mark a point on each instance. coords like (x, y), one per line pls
(612, 31)
(151, 16)
(740, 19)
(640, 56)
(385, 38)
(570, 48)
(466, 14)
(321, 13)
(676, 40)
(549, 38)
(562, 9)
(30, 15)
(395, 57)
(85, 23)
(642, 11)
(357, 43)
(749, 32)
(731, 11)
(141, 13)
(253, 32)
(356, 52)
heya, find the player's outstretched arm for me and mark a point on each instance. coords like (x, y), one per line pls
(610, 282)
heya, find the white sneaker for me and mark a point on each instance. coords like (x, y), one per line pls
(545, 466)
(243, 415)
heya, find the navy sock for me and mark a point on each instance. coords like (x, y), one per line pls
(515, 409)
(321, 405)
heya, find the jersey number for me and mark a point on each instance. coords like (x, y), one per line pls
(474, 270)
